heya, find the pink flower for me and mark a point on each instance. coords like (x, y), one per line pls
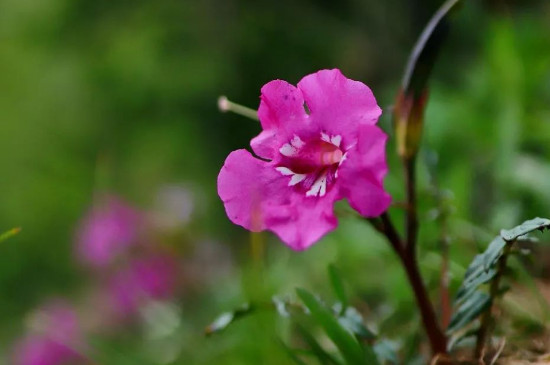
(319, 144)
(42, 350)
(147, 278)
(107, 231)
(54, 338)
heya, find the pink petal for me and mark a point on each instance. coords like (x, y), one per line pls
(305, 220)
(337, 104)
(362, 172)
(281, 114)
(257, 197)
(247, 186)
(266, 144)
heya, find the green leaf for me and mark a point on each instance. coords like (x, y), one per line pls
(481, 271)
(386, 351)
(350, 349)
(475, 269)
(338, 286)
(324, 357)
(469, 288)
(353, 322)
(292, 354)
(225, 319)
(473, 307)
(493, 252)
(524, 228)
(281, 306)
(455, 341)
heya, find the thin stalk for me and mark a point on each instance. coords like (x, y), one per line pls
(438, 341)
(411, 219)
(444, 245)
(445, 296)
(391, 234)
(225, 105)
(487, 318)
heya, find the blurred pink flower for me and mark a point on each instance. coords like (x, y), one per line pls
(319, 144)
(41, 350)
(53, 338)
(146, 278)
(108, 229)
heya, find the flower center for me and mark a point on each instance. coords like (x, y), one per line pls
(313, 165)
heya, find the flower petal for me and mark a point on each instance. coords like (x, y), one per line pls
(247, 186)
(281, 114)
(337, 104)
(362, 172)
(257, 197)
(266, 144)
(305, 220)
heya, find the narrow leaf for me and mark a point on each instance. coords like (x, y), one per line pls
(425, 51)
(353, 322)
(225, 319)
(324, 357)
(350, 349)
(292, 354)
(338, 286)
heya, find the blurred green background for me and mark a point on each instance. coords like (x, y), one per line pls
(120, 96)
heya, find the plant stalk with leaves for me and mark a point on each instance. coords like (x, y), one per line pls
(408, 122)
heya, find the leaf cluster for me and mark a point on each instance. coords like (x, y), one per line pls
(315, 322)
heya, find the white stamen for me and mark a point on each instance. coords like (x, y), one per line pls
(285, 171)
(336, 140)
(323, 189)
(297, 142)
(319, 187)
(297, 178)
(344, 156)
(288, 150)
(325, 137)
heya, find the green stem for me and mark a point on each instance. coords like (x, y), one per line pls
(225, 105)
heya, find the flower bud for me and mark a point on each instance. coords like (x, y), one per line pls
(408, 121)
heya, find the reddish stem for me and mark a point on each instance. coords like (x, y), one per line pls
(438, 340)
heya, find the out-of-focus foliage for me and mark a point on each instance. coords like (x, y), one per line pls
(117, 96)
